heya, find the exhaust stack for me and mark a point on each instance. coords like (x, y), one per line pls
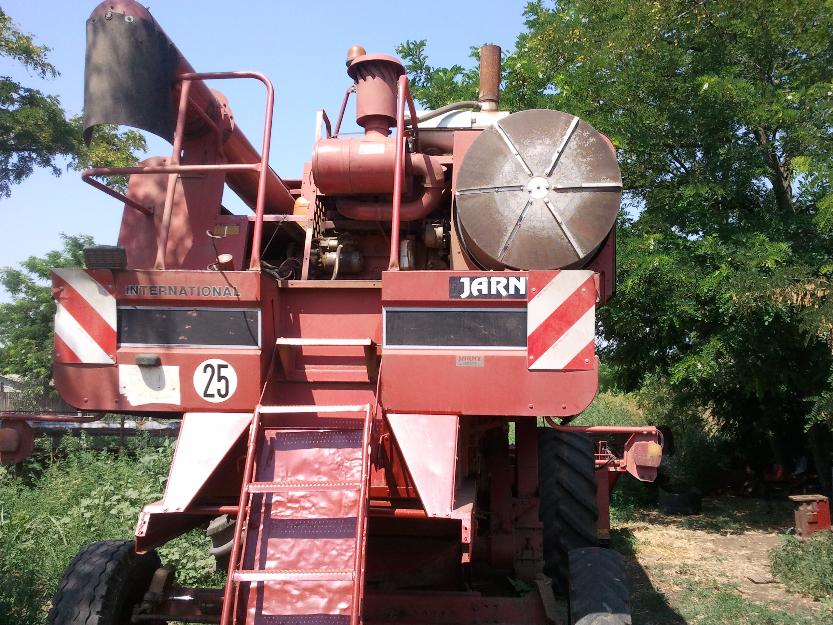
(489, 96)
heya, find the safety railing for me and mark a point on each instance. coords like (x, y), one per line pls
(174, 168)
(403, 95)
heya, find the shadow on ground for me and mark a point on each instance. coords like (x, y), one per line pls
(730, 515)
(649, 606)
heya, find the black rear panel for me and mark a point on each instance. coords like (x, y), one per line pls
(501, 328)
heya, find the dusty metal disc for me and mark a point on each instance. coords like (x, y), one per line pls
(539, 190)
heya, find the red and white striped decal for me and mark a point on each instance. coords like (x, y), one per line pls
(85, 321)
(561, 320)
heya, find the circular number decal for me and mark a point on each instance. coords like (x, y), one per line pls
(215, 380)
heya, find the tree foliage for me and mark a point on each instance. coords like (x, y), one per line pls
(26, 321)
(721, 113)
(35, 131)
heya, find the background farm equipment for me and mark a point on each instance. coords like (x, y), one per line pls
(347, 360)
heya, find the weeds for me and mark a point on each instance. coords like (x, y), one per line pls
(805, 565)
(719, 604)
(61, 500)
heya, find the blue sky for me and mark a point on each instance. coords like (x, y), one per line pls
(300, 45)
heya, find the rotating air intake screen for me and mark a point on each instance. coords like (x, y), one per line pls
(538, 190)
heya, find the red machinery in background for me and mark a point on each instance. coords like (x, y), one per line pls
(360, 365)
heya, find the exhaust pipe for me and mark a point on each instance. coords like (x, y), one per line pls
(489, 77)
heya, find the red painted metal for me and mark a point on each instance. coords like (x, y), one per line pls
(179, 135)
(403, 94)
(242, 505)
(812, 514)
(377, 481)
(260, 202)
(174, 169)
(609, 429)
(641, 453)
(433, 473)
(350, 89)
(206, 104)
(17, 440)
(307, 477)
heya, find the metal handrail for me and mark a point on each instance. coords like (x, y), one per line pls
(175, 168)
(403, 95)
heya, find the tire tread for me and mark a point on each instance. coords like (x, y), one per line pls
(96, 580)
(567, 491)
(599, 593)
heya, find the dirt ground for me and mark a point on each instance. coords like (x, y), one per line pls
(668, 556)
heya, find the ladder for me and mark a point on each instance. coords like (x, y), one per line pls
(298, 550)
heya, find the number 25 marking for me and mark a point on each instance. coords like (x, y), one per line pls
(215, 380)
(215, 371)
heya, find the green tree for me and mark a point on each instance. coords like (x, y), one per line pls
(26, 321)
(36, 132)
(721, 112)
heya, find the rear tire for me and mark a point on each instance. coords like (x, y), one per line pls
(567, 489)
(599, 592)
(102, 585)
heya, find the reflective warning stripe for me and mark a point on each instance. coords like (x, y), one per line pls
(561, 320)
(85, 319)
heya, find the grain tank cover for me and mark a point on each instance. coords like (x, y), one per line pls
(538, 190)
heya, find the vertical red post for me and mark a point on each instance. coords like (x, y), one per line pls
(398, 175)
(603, 489)
(257, 235)
(403, 95)
(165, 226)
(242, 516)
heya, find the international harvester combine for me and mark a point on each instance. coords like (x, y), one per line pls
(374, 370)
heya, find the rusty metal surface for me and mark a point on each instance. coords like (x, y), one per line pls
(539, 190)
(812, 514)
(17, 441)
(489, 95)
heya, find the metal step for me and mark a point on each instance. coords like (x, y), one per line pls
(324, 475)
(287, 346)
(295, 575)
(282, 487)
(298, 342)
(311, 409)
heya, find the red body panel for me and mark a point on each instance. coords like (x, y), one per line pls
(349, 397)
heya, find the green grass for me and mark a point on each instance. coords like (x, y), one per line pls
(805, 565)
(723, 605)
(59, 501)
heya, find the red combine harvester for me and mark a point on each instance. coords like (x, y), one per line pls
(360, 364)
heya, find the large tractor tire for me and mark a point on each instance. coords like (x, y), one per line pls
(599, 592)
(102, 585)
(567, 489)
